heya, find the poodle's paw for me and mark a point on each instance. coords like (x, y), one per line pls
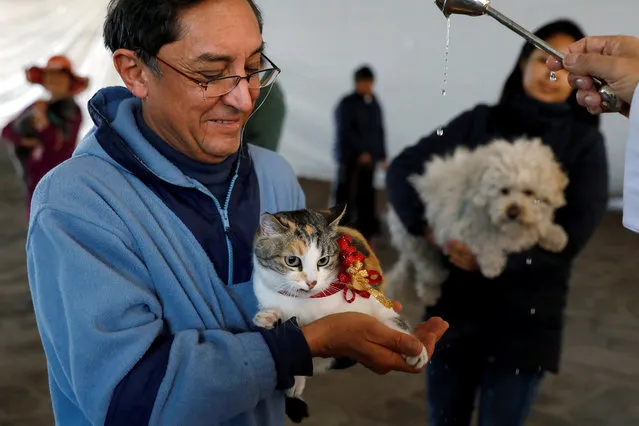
(417, 361)
(492, 266)
(555, 239)
(267, 318)
(298, 388)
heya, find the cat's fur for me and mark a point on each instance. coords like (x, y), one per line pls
(311, 236)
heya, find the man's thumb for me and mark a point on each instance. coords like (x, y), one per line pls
(591, 64)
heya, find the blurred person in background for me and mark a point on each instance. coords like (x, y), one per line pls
(505, 334)
(45, 133)
(360, 147)
(264, 128)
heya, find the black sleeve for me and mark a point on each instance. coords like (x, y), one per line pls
(290, 352)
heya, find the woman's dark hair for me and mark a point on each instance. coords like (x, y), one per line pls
(514, 84)
(144, 26)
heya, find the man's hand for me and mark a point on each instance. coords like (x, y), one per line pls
(430, 332)
(366, 340)
(613, 59)
(460, 255)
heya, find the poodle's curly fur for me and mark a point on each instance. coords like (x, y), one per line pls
(497, 199)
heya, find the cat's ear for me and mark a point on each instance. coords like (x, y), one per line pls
(271, 225)
(334, 215)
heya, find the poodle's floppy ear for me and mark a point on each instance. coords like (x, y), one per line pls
(334, 215)
(560, 180)
(478, 193)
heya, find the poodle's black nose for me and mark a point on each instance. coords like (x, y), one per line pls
(513, 211)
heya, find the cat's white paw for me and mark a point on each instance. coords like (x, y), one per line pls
(298, 388)
(267, 318)
(417, 361)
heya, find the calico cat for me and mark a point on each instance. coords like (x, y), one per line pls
(296, 268)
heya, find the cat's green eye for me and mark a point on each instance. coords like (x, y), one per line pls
(323, 261)
(293, 261)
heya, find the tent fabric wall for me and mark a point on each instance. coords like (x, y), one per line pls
(318, 44)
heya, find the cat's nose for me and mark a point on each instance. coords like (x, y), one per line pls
(311, 284)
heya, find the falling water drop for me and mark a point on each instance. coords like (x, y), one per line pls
(533, 311)
(553, 76)
(446, 57)
(528, 261)
(517, 372)
(440, 131)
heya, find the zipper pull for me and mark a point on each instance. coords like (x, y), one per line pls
(225, 221)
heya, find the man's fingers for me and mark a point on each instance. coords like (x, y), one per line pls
(589, 98)
(594, 64)
(435, 326)
(397, 307)
(396, 341)
(430, 332)
(554, 64)
(381, 361)
(581, 82)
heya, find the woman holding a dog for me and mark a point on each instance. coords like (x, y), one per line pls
(505, 333)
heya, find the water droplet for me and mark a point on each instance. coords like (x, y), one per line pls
(517, 372)
(528, 261)
(533, 311)
(553, 76)
(440, 131)
(446, 57)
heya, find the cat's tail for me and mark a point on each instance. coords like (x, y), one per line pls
(399, 277)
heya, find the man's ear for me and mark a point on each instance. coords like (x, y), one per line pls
(133, 72)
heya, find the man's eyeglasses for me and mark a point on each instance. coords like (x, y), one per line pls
(220, 86)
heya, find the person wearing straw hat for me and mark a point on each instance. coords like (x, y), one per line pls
(45, 134)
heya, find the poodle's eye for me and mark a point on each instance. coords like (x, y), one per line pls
(293, 261)
(505, 191)
(528, 193)
(323, 261)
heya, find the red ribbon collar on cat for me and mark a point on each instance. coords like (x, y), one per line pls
(351, 275)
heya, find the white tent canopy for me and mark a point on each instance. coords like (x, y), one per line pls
(318, 44)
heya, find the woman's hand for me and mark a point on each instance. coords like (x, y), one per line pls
(40, 120)
(460, 255)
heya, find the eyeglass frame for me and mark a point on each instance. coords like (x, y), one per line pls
(238, 78)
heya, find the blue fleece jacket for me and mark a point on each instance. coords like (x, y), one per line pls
(137, 324)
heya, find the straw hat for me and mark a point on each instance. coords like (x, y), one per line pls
(58, 63)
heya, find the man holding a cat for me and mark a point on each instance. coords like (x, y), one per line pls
(140, 246)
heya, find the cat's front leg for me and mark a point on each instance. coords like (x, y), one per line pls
(267, 318)
(298, 388)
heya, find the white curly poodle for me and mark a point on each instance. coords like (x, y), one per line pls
(497, 199)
